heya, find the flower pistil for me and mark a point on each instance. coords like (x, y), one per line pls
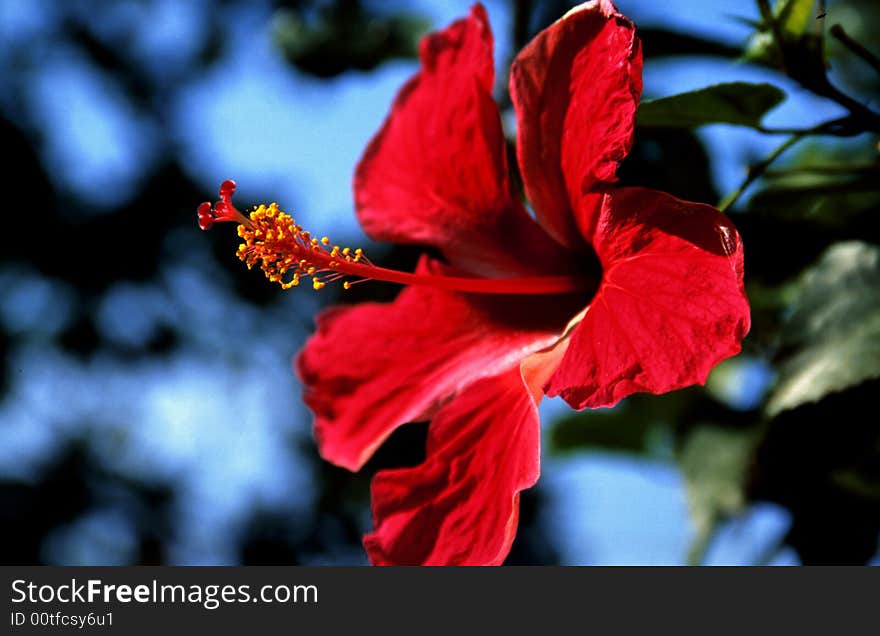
(287, 254)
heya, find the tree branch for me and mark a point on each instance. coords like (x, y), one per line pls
(857, 48)
(758, 169)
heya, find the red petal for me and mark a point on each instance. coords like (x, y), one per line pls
(370, 368)
(671, 304)
(436, 173)
(575, 89)
(461, 506)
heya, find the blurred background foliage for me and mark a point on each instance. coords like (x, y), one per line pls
(148, 413)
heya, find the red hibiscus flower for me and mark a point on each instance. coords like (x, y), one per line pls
(604, 292)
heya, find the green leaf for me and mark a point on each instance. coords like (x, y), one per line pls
(641, 424)
(831, 340)
(859, 483)
(761, 48)
(603, 430)
(738, 103)
(798, 49)
(339, 38)
(795, 16)
(827, 204)
(714, 461)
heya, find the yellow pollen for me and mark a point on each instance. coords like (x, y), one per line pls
(286, 253)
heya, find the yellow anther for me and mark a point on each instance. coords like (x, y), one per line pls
(292, 283)
(285, 252)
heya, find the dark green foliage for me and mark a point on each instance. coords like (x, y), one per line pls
(738, 103)
(344, 35)
(830, 340)
(811, 231)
